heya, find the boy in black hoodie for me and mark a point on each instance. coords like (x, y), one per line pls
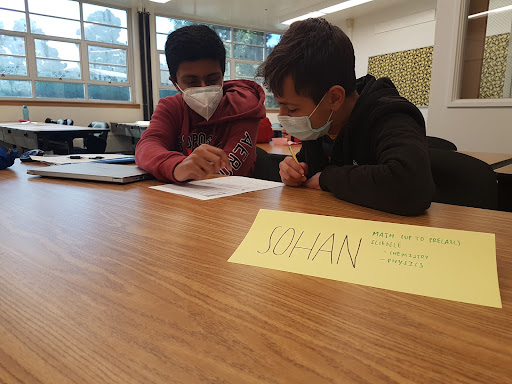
(360, 139)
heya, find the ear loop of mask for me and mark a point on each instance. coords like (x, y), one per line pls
(314, 110)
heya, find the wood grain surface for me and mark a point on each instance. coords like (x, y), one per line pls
(492, 158)
(280, 149)
(104, 283)
(506, 170)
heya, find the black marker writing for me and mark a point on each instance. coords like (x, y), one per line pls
(283, 244)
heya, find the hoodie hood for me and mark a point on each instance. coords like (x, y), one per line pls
(378, 98)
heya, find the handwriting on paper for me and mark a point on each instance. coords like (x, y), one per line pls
(293, 242)
(399, 257)
(289, 242)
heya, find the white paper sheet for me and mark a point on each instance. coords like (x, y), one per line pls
(218, 187)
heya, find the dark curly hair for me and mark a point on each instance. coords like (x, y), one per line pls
(317, 54)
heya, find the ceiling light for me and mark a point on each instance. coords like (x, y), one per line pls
(344, 5)
(325, 11)
(481, 14)
(304, 17)
(160, 1)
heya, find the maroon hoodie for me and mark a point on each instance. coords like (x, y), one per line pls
(176, 130)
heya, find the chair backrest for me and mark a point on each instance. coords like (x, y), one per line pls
(65, 121)
(463, 180)
(98, 124)
(266, 166)
(437, 142)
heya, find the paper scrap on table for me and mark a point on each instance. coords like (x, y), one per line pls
(442, 263)
(218, 187)
(84, 158)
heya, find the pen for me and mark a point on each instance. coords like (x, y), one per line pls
(76, 157)
(293, 154)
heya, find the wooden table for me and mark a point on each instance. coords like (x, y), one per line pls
(103, 283)
(40, 135)
(279, 149)
(504, 176)
(495, 160)
(506, 170)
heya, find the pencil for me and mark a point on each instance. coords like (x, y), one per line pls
(293, 154)
(294, 157)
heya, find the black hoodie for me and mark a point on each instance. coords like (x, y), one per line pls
(380, 158)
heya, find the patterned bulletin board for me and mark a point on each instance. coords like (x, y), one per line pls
(409, 70)
(494, 66)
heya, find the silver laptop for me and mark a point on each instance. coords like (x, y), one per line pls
(111, 173)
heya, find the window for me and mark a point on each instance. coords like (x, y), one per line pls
(245, 51)
(69, 50)
(487, 55)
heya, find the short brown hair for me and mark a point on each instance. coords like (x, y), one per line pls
(317, 54)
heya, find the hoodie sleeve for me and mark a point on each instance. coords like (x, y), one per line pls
(157, 150)
(241, 147)
(401, 181)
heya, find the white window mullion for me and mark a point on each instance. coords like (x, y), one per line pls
(232, 57)
(84, 56)
(130, 78)
(30, 48)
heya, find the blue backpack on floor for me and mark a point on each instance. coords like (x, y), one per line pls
(7, 157)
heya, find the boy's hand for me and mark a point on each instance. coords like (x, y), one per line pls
(204, 161)
(291, 173)
(313, 182)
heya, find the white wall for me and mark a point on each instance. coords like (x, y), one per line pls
(396, 29)
(499, 22)
(81, 115)
(472, 128)
(273, 117)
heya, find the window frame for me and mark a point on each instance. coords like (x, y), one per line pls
(459, 28)
(83, 46)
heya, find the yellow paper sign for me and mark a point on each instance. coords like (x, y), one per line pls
(435, 262)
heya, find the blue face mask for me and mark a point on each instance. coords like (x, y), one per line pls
(300, 126)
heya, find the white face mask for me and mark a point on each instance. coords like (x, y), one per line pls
(203, 100)
(300, 126)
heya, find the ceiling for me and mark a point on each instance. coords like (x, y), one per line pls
(258, 14)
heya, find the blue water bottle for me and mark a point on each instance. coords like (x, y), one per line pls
(25, 113)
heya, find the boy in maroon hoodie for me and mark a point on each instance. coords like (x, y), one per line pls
(211, 125)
